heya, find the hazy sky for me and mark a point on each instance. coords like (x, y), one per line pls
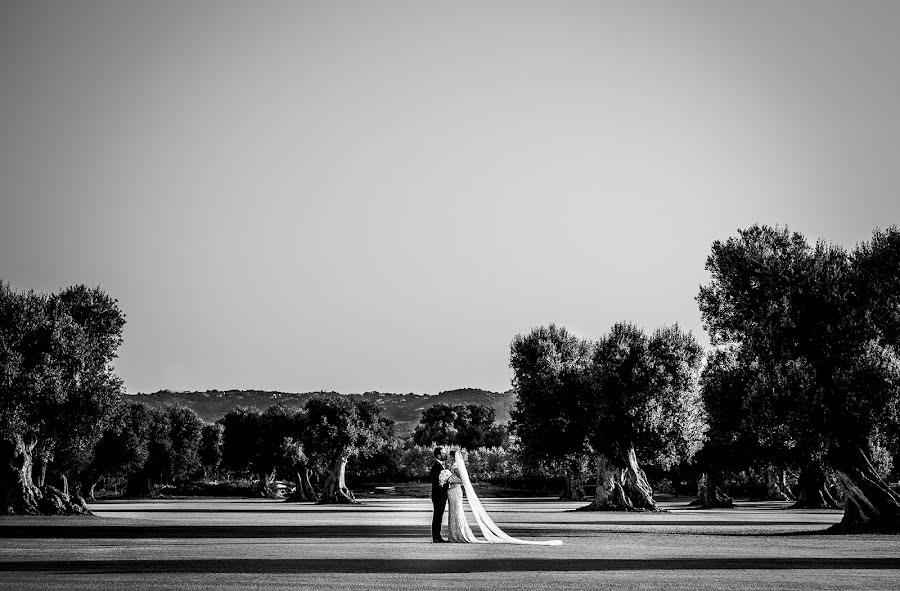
(369, 195)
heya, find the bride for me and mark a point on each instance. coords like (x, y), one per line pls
(459, 527)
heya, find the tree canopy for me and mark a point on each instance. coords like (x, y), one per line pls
(819, 326)
(57, 388)
(550, 369)
(341, 427)
(629, 396)
(468, 425)
(642, 403)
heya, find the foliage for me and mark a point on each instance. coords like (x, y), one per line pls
(818, 326)
(185, 431)
(381, 464)
(489, 464)
(643, 394)
(57, 387)
(291, 457)
(241, 435)
(123, 448)
(55, 379)
(550, 367)
(211, 437)
(276, 424)
(731, 440)
(415, 461)
(160, 464)
(344, 427)
(467, 425)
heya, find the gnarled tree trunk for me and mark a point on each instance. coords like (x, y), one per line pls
(776, 485)
(812, 492)
(621, 485)
(869, 504)
(335, 490)
(711, 493)
(39, 471)
(89, 481)
(91, 487)
(574, 490)
(304, 490)
(637, 487)
(267, 487)
(18, 493)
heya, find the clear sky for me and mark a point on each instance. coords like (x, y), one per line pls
(368, 195)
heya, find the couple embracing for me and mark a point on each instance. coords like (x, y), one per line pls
(449, 478)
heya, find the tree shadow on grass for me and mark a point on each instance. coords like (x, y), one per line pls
(427, 566)
(296, 509)
(343, 531)
(213, 531)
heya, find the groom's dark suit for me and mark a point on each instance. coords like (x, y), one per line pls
(438, 498)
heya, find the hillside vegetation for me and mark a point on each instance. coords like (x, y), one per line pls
(405, 409)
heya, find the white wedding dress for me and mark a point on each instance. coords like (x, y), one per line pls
(459, 526)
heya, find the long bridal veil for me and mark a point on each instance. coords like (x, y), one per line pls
(491, 532)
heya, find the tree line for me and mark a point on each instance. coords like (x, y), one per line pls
(803, 375)
(148, 448)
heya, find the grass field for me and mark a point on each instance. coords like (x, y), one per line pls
(385, 544)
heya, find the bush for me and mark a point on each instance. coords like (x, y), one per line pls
(415, 461)
(490, 464)
(225, 488)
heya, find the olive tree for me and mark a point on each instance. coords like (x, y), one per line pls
(642, 403)
(210, 450)
(185, 433)
(549, 372)
(240, 437)
(820, 324)
(57, 388)
(341, 427)
(468, 425)
(123, 448)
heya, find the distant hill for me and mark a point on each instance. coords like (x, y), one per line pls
(405, 409)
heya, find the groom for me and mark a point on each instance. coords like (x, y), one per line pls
(438, 494)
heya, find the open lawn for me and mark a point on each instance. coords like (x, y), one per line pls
(385, 544)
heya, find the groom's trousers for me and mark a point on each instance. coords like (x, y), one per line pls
(440, 502)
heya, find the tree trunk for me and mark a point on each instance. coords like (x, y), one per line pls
(812, 492)
(90, 488)
(89, 479)
(266, 487)
(335, 490)
(621, 486)
(609, 496)
(869, 504)
(304, 490)
(574, 490)
(776, 485)
(637, 487)
(18, 493)
(710, 493)
(39, 471)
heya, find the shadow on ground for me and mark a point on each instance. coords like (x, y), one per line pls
(343, 566)
(122, 532)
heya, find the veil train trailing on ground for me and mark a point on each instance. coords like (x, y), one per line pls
(490, 530)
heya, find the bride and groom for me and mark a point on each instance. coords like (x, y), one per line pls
(448, 480)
